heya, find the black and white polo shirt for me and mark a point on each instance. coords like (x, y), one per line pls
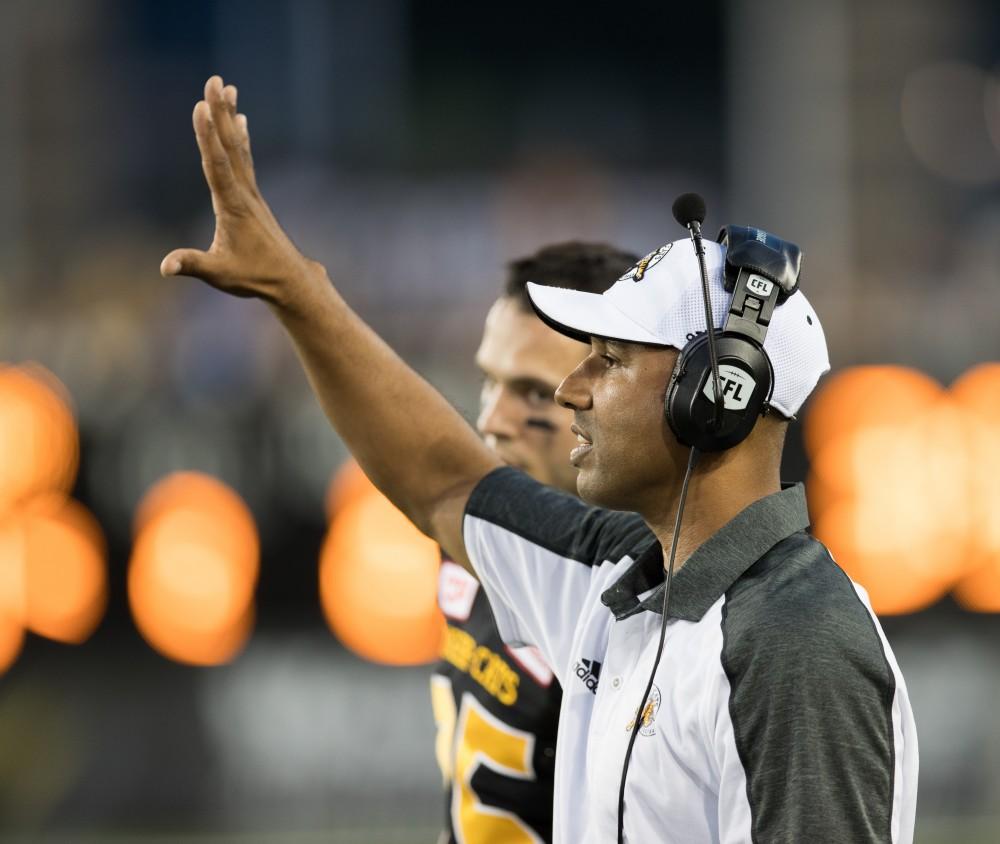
(778, 712)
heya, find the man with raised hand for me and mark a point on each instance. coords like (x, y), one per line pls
(778, 712)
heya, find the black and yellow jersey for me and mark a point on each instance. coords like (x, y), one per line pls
(497, 711)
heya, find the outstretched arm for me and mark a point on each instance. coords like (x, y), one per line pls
(413, 445)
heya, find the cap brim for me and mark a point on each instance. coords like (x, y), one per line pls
(582, 315)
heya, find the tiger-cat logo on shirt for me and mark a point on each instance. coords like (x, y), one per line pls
(649, 711)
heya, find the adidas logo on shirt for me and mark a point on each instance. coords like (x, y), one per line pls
(589, 670)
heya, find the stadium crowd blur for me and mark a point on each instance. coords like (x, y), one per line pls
(167, 640)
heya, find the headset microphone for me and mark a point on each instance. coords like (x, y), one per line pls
(689, 210)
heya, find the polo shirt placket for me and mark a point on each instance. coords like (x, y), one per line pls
(778, 711)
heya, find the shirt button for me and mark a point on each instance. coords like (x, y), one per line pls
(616, 682)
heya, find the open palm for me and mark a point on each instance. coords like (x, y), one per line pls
(250, 254)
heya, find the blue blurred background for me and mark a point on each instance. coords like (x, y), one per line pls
(414, 148)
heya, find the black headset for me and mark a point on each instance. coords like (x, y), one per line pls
(761, 271)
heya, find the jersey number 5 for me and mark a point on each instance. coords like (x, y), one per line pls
(467, 739)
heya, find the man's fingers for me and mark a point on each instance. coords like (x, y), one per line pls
(222, 101)
(212, 84)
(191, 262)
(245, 154)
(214, 158)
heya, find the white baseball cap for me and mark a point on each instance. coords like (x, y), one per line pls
(660, 302)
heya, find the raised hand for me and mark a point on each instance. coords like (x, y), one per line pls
(409, 440)
(250, 254)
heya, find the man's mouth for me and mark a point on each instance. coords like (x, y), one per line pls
(584, 447)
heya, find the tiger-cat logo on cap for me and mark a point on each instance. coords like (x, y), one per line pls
(651, 260)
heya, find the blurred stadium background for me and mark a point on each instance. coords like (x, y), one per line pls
(188, 645)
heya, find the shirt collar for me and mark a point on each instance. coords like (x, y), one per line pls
(715, 566)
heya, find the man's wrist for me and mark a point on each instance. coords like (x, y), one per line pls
(301, 289)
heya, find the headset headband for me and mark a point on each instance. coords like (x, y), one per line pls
(761, 271)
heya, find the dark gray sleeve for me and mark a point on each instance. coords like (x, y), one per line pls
(555, 520)
(811, 696)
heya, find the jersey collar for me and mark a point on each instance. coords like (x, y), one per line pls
(715, 566)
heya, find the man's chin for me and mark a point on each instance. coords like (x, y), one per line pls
(591, 490)
(513, 462)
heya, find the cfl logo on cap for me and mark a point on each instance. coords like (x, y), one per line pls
(737, 387)
(760, 286)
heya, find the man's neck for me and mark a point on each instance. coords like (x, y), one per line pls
(718, 491)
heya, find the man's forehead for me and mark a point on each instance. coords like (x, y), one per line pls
(516, 343)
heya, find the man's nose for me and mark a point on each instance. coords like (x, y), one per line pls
(574, 391)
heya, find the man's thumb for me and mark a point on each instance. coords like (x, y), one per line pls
(191, 262)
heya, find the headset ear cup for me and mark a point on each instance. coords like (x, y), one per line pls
(676, 409)
(747, 380)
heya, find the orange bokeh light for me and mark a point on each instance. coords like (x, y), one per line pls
(889, 454)
(378, 577)
(194, 569)
(193, 491)
(13, 576)
(65, 570)
(39, 444)
(978, 392)
(53, 571)
(861, 398)
(899, 577)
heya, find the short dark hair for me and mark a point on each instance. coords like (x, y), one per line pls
(575, 265)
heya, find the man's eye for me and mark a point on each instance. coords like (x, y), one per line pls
(537, 396)
(610, 361)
